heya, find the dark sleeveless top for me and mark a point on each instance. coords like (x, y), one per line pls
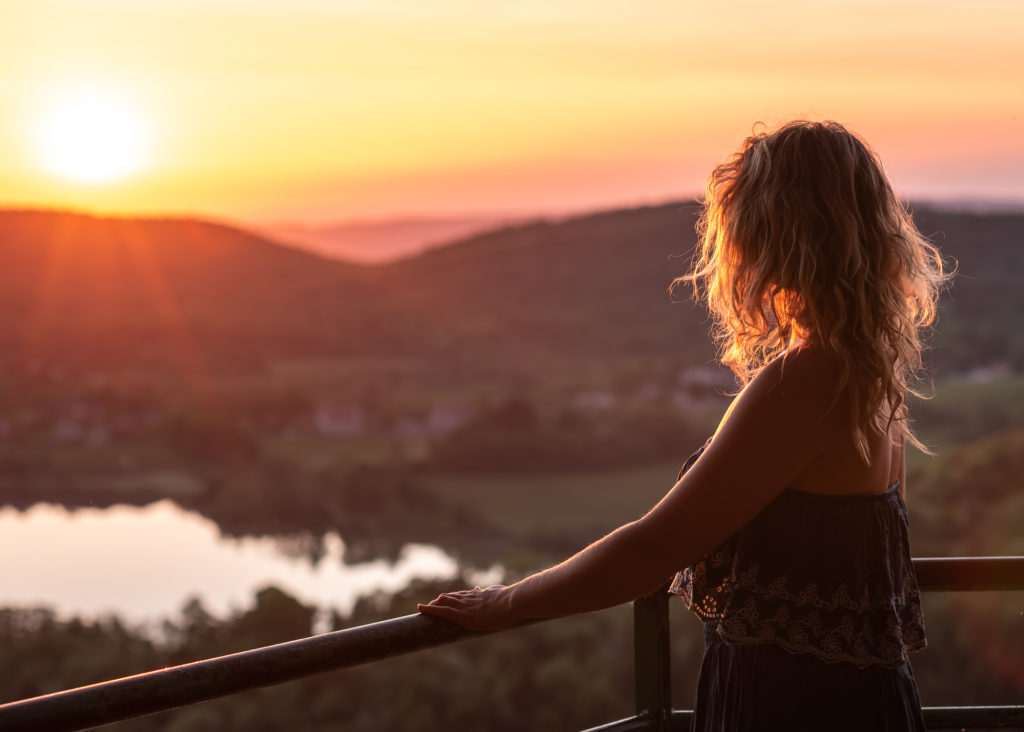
(810, 611)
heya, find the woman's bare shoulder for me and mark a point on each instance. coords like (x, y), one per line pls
(789, 408)
(773, 430)
(808, 376)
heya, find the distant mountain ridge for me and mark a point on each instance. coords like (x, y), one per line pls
(95, 292)
(381, 240)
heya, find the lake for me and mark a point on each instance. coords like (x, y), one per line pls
(144, 563)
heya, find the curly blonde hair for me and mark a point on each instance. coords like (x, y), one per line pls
(802, 240)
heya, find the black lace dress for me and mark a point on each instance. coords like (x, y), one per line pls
(809, 613)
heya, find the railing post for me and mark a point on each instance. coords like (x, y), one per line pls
(652, 657)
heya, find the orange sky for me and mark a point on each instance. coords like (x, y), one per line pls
(315, 110)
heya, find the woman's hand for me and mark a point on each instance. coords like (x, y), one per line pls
(477, 609)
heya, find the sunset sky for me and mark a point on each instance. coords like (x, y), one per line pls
(316, 110)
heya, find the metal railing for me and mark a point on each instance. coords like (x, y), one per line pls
(177, 686)
(940, 574)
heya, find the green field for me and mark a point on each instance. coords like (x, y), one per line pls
(582, 503)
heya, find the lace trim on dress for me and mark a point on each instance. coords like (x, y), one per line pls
(856, 628)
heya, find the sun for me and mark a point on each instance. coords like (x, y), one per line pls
(92, 135)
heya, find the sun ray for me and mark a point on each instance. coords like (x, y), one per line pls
(185, 349)
(57, 247)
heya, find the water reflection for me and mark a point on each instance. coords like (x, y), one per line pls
(145, 562)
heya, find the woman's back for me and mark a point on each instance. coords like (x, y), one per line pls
(840, 469)
(837, 467)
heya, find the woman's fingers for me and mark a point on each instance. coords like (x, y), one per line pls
(449, 598)
(441, 611)
(463, 595)
(476, 609)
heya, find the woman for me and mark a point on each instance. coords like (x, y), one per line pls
(790, 520)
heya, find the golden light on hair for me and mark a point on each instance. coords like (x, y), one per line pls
(803, 240)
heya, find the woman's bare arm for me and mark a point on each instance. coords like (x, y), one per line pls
(776, 426)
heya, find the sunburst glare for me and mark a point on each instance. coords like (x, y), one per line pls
(92, 135)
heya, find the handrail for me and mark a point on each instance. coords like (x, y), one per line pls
(175, 686)
(963, 574)
(163, 689)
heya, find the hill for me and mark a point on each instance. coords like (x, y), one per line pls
(91, 292)
(104, 293)
(593, 287)
(980, 316)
